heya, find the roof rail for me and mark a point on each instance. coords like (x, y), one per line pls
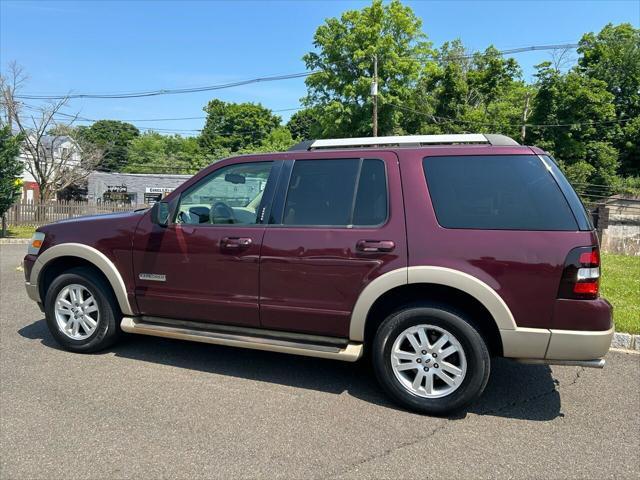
(406, 141)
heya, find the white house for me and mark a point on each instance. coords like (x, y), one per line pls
(62, 149)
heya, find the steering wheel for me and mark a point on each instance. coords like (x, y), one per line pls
(221, 213)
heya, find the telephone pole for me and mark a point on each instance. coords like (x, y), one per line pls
(374, 95)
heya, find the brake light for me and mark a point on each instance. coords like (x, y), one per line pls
(581, 275)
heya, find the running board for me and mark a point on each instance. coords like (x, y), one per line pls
(595, 363)
(350, 352)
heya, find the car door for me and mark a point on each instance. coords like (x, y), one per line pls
(337, 224)
(204, 265)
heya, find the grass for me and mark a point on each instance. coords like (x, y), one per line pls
(20, 232)
(620, 284)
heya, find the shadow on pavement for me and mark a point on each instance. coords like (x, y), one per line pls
(526, 392)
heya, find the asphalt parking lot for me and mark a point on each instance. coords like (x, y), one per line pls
(152, 408)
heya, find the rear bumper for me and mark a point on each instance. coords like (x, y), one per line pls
(578, 345)
(553, 344)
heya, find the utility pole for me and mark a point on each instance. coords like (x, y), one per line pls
(525, 116)
(374, 95)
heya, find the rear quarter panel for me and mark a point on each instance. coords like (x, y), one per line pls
(523, 267)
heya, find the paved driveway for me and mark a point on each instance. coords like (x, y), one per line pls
(152, 408)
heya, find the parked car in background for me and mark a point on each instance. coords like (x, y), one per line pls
(431, 253)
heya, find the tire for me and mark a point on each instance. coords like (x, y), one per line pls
(468, 367)
(89, 337)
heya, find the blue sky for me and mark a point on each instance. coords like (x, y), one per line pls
(116, 46)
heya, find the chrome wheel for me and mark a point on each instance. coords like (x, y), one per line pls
(428, 361)
(76, 312)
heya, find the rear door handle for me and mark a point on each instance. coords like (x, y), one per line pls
(372, 246)
(236, 243)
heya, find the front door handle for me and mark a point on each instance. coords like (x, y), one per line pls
(236, 243)
(372, 246)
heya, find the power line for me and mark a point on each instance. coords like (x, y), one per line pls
(270, 78)
(563, 46)
(173, 91)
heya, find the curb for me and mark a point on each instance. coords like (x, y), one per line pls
(15, 241)
(626, 341)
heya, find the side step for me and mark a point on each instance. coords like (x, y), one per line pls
(245, 338)
(595, 363)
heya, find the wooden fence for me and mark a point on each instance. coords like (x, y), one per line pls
(36, 214)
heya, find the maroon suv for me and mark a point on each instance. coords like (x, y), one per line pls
(432, 253)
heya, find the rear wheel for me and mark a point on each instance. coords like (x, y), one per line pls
(430, 359)
(81, 311)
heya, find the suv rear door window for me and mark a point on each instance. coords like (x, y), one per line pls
(501, 192)
(336, 192)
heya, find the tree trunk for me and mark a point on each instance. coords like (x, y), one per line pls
(4, 226)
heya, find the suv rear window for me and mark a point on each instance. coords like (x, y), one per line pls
(337, 192)
(501, 192)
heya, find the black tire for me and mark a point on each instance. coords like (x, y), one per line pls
(478, 361)
(107, 330)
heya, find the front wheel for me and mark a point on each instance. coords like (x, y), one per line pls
(81, 311)
(430, 359)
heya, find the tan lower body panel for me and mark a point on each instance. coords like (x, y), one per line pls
(578, 345)
(525, 342)
(349, 353)
(542, 343)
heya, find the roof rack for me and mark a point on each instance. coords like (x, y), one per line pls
(406, 141)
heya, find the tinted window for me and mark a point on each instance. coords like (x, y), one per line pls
(506, 192)
(371, 198)
(336, 193)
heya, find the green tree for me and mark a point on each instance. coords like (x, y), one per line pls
(10, 171)
(630, 148)
(278, 140)
(613, 56)
(152, 152)
(235, 126)
(581, 116)
(344, 58)
(301, 123)
(113, 138)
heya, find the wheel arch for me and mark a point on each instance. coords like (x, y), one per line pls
(413, 283)
(75, 254)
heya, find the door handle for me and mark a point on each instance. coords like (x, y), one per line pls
(372, 246)
(236, 243)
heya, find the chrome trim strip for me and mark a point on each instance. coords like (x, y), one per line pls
(93, 256)
(350, 353)
(400, 140)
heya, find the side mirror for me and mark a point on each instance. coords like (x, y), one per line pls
(161, 213)
(235, 178)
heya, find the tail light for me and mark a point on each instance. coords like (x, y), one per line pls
(581, 275)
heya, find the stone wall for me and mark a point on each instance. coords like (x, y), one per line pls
(619, 225)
